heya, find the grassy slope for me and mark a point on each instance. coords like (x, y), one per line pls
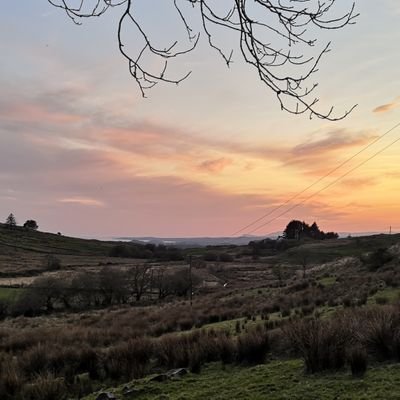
(34, 241)
(329, 250)
(273, 381)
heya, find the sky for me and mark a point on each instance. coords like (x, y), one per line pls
(82, 152)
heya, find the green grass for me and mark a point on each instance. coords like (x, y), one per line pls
(9, 295)
(273, 381)
(392, 294)
(328, 281)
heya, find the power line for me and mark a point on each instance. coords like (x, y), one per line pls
(326, 187)
(316, 182)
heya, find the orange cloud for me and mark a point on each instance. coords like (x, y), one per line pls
(214, 166)
(357, 183)
(386, 107)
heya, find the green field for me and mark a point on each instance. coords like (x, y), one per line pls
(272, 381)
(9, 294)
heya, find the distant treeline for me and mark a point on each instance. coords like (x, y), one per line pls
(103, 288)
(147, 251)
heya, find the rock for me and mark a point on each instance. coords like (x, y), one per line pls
(106, 396)
(159, 378)
(177, 373)
(132, 392)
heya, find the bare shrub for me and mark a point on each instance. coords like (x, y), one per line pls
(45, 387)
(322, 344)
(128, 360)
(10, 378)
(358, 360)
(252, 347)
(381, 331)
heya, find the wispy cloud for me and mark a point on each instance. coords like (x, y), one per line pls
(384, 108)
(359, 183)
(214, 166)
(84, 201)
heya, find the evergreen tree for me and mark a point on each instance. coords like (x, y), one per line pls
(10, 221)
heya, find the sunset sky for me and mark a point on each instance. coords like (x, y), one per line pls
(82, 153)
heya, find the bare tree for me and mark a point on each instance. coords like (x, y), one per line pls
(275, 37)
(139, 279)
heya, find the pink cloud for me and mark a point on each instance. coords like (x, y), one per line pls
(35, 113)
(214, 166)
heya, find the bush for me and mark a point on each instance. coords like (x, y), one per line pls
(358, 361)
(128, 360)
(10, 378)
(52, 263)
(381, 300)
(226, 257)
(45, 387)
(381, 332)
(322, 344)
(377, 259)
(210, 256)
(252, 347)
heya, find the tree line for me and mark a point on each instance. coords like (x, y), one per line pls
(11, 222)
(102, 288)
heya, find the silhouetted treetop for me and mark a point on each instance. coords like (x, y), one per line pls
(31, 224)
(299, 230)
(11, 221)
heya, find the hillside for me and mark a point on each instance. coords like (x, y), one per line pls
(23, 252)
(234, 320)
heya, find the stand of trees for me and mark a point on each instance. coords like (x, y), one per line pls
(11, 222)
(160, 252)
(103, 288)
(300, 230)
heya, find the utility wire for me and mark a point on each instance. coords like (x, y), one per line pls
(327, 186)
(316, 182)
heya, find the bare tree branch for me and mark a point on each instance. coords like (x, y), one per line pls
(281, 62)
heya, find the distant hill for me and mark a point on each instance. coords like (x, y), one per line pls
(195, 241)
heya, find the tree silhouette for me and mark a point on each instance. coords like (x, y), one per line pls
(274, 37)
(31, 224)
(10, 221)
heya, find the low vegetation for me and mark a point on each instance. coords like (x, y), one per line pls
(244, 314)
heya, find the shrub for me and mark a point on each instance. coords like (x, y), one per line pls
(210, 256)
(381, 300)
(322, 344)
(226, 257)
(45, 387)
(10, 378)
(52, 263)
(252, 347)
(380, 332)
(128, 360)
(358, 360)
